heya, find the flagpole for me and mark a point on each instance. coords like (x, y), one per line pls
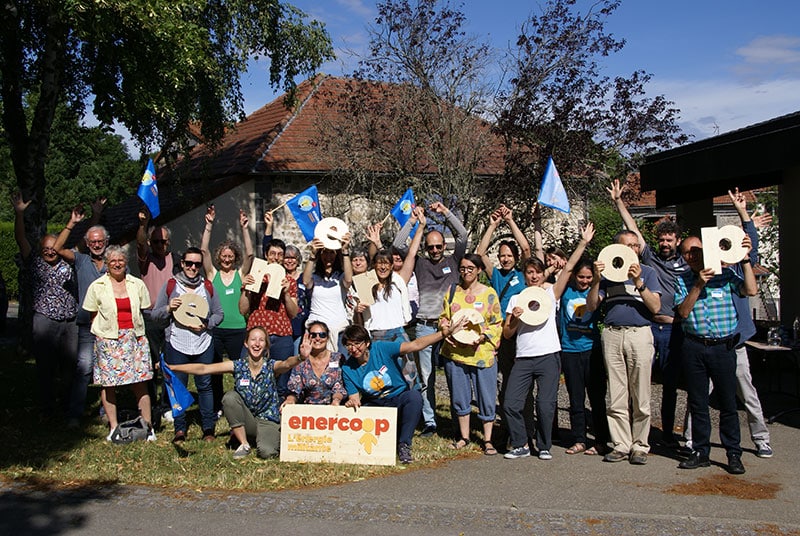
(383, 222)
(281, 205)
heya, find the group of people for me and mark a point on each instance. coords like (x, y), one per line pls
(318, 342)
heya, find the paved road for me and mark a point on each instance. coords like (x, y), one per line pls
(476, 495)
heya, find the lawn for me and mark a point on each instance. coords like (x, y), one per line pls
(44, 450)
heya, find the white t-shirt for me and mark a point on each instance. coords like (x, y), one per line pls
(533, 341)
(387, 314)
(327, 302)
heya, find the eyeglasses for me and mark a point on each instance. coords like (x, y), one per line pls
(192, 264)
(318, 334)
(434, 246)
(466, 269)
(354, 344)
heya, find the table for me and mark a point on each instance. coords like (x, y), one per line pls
(769, 353)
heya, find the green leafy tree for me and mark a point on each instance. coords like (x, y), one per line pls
(155, 66)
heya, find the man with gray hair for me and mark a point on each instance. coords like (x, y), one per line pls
(88, 267)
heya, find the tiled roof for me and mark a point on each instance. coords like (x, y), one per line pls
(274, 139)
(635, 198)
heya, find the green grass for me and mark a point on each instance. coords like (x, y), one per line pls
(44, 451)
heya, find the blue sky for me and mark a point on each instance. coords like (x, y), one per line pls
(725, 64)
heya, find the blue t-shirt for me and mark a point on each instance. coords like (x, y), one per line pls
(516, 286)
(380, 376)
(624, 305)
(577, 326)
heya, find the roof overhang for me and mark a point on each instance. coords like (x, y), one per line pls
(748, 158)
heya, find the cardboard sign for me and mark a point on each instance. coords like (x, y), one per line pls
(537, 304)
(193, 310)
(618, 259)
(336, 434)
(276, 273)
(364, 284)
(722, 245)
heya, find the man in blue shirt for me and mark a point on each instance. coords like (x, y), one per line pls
(705, 303)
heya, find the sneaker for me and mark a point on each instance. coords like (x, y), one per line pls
(695, 461)
(638, 458)
(151, 436)
(108, 437)
(428, 431)
(615, 456)
(404, 453)
(545, 455)
(519, 452)
(167, 416)
(763, 450)
(242, 452)
(735, 466)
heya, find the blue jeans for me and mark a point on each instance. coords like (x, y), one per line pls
(83, 372)
(428, 357)
(408, 404)
(668, 339)
(462, 378)
(717, 363)
(205, 395)
(228, 342)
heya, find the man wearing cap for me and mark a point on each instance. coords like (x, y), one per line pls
(627, 351)
(435, 274)
(705, 303)
(667, 334)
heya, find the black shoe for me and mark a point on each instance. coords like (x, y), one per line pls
(694, 461)
(428, 431)
(735, 466)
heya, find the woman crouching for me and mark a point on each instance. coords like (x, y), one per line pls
(252, 408)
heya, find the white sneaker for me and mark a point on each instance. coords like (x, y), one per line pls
(242, 452)
(152, 435)
(167, 416)
(763, 449)
(545, 455)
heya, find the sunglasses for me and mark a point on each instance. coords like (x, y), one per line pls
(435, 246)
(318, 334)
(192, 264)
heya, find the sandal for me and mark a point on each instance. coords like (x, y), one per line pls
(577, 448)
(488, 448)
(459, 444)
(596, 450)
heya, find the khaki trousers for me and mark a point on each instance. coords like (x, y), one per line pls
(628, 355)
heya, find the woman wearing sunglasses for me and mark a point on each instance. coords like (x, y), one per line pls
(190, 343)
(318, 378)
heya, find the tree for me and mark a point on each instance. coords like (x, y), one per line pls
(153, 65)
(413, 110)
(558, 103)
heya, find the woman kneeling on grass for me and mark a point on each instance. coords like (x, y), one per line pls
(253, 406)
(373, 377)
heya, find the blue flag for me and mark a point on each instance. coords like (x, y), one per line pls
(402, 210)
(179, 396)
(552, 193)
(148, 190)
(305, 209)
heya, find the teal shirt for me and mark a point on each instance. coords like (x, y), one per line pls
(229, 298)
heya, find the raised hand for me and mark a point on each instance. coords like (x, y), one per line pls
(244, 221)
(211, 214)
(615, 190)
(18, 204)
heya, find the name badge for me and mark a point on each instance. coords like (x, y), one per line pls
(446, 270)
(717, 294)
(383, 370)
(477, 305)
(244, 382)
(333, 364)
(514, 281)
(229, 291)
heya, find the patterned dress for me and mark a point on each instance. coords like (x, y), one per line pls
(310, 389)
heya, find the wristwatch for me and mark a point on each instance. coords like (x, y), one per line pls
(642, 288)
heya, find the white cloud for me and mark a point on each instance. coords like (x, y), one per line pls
(773, 49)
(710, 107)
(358, 7)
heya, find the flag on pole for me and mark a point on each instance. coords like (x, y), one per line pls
(148, 190)
(179, 396)
(305, 209)
(402, 210)
(552, 193)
